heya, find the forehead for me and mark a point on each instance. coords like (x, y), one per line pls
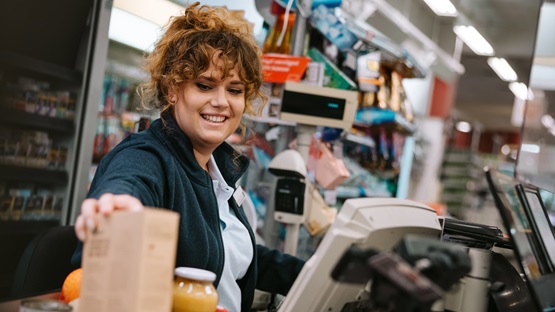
(216, 71)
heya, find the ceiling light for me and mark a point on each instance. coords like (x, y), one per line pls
(473, 39)
(520, 90)
(463, 126)
(442, 7)
(139, 23)
(505, 149)
(530, 148)
(502, 68)
(132, 30)
(155, 11)
(548, 121)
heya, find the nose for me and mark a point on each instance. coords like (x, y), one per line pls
(220, 97)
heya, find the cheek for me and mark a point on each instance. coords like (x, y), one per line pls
(238, 108)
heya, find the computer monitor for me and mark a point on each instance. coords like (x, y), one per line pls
(530, 233)
(539, 221)
(377, 223)
(318, 106)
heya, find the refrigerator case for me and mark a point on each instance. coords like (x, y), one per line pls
(119, 110)
(52, 59)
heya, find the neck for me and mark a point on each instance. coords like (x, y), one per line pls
(202, 158)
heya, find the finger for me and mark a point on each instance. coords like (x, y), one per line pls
(89, 207)
(106, 203)
(80, 230)
(109, 202)
(127, 202)
(89, 210)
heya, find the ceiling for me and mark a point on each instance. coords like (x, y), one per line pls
(510, 27)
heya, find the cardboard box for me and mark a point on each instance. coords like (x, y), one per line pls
(128, 262)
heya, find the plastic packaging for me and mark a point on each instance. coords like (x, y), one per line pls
(194, 290)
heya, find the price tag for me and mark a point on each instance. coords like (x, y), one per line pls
(330, 197)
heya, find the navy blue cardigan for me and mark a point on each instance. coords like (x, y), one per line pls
(158, 167)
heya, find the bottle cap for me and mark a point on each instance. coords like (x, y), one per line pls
(195, 274)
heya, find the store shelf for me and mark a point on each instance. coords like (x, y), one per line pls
(372, 117)
(376, 40)
(360, 139)
(35, 121)
(26, 227)
(370, 39)
(461, 158)
(35, 175)
(455, 184)
(461, 172)
(33, 66)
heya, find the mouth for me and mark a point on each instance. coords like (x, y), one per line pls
(214, 118)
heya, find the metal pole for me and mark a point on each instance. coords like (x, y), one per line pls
(300, 27)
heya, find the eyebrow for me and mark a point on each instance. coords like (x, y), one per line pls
(212, 79)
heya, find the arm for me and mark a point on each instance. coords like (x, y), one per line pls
(126, 180)
(276, 271)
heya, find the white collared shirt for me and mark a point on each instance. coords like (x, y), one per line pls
(237, 243)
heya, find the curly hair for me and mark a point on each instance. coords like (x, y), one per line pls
(187, 48)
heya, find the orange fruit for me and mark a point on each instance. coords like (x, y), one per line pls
(72, 286)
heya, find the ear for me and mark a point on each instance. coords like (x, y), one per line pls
(173, 97)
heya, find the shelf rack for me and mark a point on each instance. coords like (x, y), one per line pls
(21, 118)
(38, 175)
(370, 39)
(39, 68)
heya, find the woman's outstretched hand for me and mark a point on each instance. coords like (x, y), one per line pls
(105, 205)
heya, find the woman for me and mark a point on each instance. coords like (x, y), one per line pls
(205, 73)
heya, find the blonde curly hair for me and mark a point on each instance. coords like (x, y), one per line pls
(186, 50)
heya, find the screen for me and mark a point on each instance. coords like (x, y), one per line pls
(290, 196)
(540, 222)
(527, 241)
(313, 105)
(535, 162)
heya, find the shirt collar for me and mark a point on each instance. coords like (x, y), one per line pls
(214, 171)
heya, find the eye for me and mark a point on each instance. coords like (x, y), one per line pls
(203, 87)
(235, 91)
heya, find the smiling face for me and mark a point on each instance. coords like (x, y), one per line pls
(209, 108)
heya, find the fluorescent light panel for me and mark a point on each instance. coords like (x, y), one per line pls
(530, 148)
(520, 90)
(442, 7)
(132, 30)
(474, 40)
(139, 23)
(155, 11)
(502, 68)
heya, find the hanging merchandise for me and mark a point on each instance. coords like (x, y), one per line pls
(368, 71)
(325, 20)
(279, 39)
(315, 3)
(330, 170)
(333, 76)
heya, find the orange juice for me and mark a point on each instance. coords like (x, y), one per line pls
(194, 291)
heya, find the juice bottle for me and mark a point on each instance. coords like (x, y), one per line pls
(194, 291)
(272, 43)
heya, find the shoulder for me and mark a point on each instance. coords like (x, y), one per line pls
(139, 149)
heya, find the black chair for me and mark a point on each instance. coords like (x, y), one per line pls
(45, 263)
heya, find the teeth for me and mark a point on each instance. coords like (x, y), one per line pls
(214, 118)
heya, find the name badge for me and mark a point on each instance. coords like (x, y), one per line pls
(239, 196)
